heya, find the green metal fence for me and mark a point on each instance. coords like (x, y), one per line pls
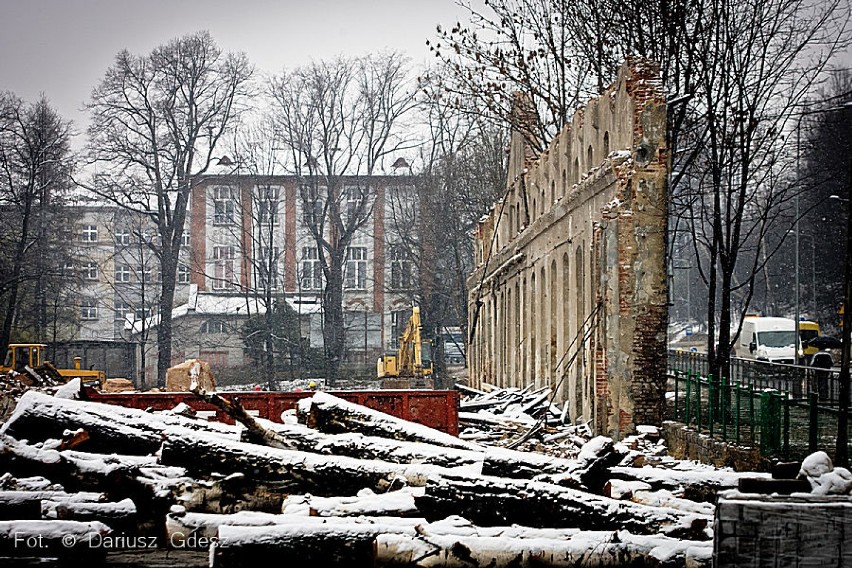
(787, 411)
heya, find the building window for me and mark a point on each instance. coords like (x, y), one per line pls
(313, 209)
(356, 268)
(68, 270)
(90, 270)
(145, 274)
(122, 310)
(122, 273)
(268, 267)
(90, 234)
(142, 313)
(354, 198)
(183, 274)
(267, 205)
(184, 239)
(223, 269)
(401, 278)
(224, 205)
(88, 309)
(122, 236)
(311, 269)
(214, 326)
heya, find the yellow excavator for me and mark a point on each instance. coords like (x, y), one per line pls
(27, 360)
(411, 366)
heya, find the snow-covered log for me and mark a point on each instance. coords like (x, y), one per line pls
(664, 498)
(300, 437)
(117, 515)
(254, 432)
(698, 482)
(398, 503)
(334, 415)
(590, 470)
(40, 417)
(583, 549)
(292, 471)
(28, 504)
(492, 501)
(48, 538)
(314, 541)
(181, 526)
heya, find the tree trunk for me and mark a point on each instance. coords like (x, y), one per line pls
(302, 438)
(28, 504)
(290, 471)
(493, 501)
(111, 429)
(333, 324)
(329, 543)
(577, 550)
(334, 415)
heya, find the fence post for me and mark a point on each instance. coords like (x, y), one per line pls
(751, 411)
(737, 417)
(813, 421)
(724, 416)
(786, 401)
(712, 393)
(770, 422)
(676, 376)
(688, 397)
(698, 403)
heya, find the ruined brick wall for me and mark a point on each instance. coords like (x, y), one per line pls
(570, 288)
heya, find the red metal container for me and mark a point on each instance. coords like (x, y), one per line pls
(437, 409)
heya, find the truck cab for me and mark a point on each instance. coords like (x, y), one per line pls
(768, 339)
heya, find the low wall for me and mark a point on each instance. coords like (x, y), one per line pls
(753, 531)
(687, 444)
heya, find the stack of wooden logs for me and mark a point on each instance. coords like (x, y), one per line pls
(336, 483)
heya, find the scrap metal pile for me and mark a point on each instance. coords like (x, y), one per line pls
(337, 483)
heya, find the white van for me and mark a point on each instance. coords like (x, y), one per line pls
(768, 339)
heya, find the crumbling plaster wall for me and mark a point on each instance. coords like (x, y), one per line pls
(570, 289)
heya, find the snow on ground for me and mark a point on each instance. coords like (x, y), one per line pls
(519, 426)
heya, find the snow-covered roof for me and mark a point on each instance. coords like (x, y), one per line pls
(213, 304)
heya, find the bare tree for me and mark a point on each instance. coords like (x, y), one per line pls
(760, 59)
(527, 46)
(335, 119)
(35, 173)
(156, 122)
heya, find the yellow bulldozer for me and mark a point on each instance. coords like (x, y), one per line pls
(27, 361)
(411, 366)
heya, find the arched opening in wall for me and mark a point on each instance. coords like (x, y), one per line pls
(577, 170)
(590, 162)
(495, 334)
(579, 369)
(509, 327)
(534, 212)
(564, 182)
(552, 191)
(531, 373)
(544, 332)
(606, 144)
(516, 343)
(543, 200)
(567, 348)
(554, 319)
(523, 336)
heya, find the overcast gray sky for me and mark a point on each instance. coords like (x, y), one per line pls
(62, 48)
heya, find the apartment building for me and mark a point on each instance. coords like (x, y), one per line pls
(248, 241)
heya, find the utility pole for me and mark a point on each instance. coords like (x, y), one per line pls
(841, 457)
